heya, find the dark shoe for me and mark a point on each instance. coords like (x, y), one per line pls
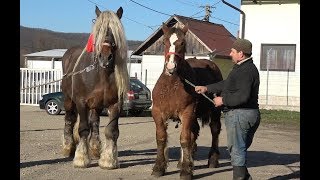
(241, 173)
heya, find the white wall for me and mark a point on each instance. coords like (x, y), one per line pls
(38, 64)
(135, 70)
(275, 24)
(154, 65)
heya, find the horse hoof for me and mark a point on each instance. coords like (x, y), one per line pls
(68, 151)
(214, 164)
(179, 165)
(108, 166)
(81, 164)
(157, 173)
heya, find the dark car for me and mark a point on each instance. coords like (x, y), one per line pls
(52, 103)
(139, 99)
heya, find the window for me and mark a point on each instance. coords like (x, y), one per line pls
(278, 57)
(135, 86)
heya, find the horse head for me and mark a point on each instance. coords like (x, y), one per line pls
(174, 47)
(105, 37)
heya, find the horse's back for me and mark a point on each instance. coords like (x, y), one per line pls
(207, 72)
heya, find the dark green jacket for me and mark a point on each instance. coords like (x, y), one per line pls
(241, 88)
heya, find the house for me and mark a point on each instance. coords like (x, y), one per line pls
(273, 27)
(49, 59)
(203, 40)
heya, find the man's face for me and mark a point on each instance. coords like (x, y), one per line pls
(236, 56)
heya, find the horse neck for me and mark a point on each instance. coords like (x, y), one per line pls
(185, 71)
(98, 75)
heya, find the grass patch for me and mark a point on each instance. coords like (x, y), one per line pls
(280, 117)
(225, 66)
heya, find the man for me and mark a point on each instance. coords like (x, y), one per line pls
(239, 98)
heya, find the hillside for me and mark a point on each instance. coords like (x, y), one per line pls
(35, 40)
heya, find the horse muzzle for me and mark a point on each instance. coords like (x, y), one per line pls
(106, 62)
(170, 67)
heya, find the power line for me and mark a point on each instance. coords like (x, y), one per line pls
(196, 13)
(124, 16)
(226, 21)
(216, 3)
(150, 8)
(189, 4)
(96, 3)
(191, 16)
(139, 23)
(151, 27)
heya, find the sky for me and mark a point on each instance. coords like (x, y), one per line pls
(141, 18)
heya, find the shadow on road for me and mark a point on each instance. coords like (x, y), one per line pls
(255, 159)
(42, 162)
(293, 175)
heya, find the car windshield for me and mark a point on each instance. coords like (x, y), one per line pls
(135, 86)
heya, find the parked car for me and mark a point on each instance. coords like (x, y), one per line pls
(138, 100)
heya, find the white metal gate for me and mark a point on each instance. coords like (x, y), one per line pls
(36, 82)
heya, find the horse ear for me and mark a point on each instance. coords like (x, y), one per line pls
(165, 28)
(119, 12)
(185, 28)
(98, 12)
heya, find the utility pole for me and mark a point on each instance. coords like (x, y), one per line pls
(208, 12)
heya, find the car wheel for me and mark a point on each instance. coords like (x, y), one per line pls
(135, 112)
(53, 108)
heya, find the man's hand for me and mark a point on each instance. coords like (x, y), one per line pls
(200, 89)
(217, 101)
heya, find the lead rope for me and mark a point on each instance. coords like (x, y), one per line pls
(214, 95)
(74, 69)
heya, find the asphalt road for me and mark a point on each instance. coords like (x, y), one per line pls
(274, 154)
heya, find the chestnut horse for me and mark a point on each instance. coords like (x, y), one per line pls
(174, 98)
(95, 77)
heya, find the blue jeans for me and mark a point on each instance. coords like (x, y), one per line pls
(241, 124)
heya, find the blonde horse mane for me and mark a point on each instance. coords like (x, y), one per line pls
(108, 19)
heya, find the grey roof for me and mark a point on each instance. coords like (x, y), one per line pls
(54, 53)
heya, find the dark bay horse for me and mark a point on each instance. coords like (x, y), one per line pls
(95, 77)
(174, 98)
